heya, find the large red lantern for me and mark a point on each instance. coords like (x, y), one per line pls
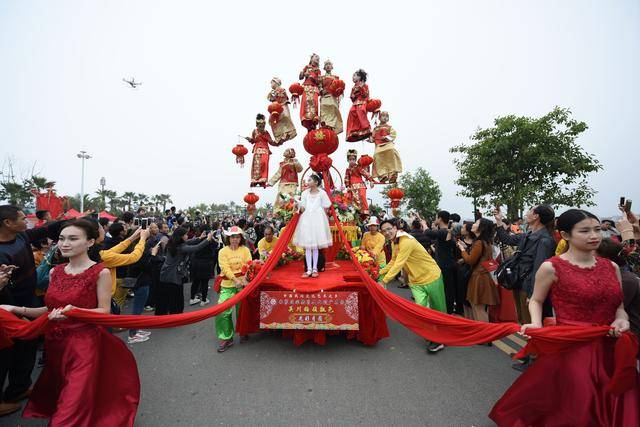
(296, 89)
(365, 161)
(275, 109)
(373, 105)
(320, 141)
(251, 199)
(240, 151)
(395, 194)
(336, 88)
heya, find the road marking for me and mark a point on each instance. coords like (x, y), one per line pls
(505, 348)
(516, 338)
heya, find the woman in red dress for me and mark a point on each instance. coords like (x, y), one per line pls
(90, 378)
(358, 126)
(569, 388)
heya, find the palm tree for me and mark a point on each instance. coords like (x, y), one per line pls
(15, 193)
(143, 199)
(39, 182)
(128, 196)
(103, 195)
(165, 199)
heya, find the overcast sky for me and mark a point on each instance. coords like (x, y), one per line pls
(442, 69)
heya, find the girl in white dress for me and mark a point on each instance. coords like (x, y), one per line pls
(313, 232)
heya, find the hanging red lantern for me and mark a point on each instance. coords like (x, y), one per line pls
(275, 109)
(395, 194)
(365, 161)
(251, 199)
(296, 89)
(240, 151)
(336, 88)
(320, 141)
(373, 105)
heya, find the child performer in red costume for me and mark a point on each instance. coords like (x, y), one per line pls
(261, 139)
(354, 179)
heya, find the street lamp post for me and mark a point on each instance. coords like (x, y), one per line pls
(103, 182)
(83, 156)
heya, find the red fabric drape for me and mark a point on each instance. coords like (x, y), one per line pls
(430, 324)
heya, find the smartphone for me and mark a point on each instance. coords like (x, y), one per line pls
(627, 205)
(450, 224)
(136, 221)
(622, 201)
(144, 222)
(94, 216)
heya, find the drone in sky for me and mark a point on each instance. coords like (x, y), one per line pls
(132, 83)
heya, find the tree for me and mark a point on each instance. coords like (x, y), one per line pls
(16, 193)
(128, 197)
(92, 203)
(39, 182)
(523, 161)
(103, 195)
(421, 192)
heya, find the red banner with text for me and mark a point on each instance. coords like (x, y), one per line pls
(320, 310)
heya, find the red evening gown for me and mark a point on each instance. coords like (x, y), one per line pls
(568, 388)
(90, 377)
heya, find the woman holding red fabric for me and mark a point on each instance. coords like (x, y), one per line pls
(90, 378)
(358, 126)
(569, 388)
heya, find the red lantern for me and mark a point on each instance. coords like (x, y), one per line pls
(395, 194)
(336, 88)
(320, 141)
(365, 161)
(296, 89)
(275, 109)
(373, 105)
(251, 199)
(240, 151)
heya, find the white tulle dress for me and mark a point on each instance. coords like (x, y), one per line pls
(313, 230)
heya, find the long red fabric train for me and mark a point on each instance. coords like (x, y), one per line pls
(430, 324)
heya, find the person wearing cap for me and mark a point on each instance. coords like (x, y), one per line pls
(231, 259)
(373, 241)
(424, 275)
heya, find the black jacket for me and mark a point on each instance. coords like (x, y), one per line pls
(536, 247)
(445, 249)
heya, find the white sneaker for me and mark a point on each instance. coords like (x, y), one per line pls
(143, 333)
(149, 308)
(205, 302)
(194, 301)
(137, 338)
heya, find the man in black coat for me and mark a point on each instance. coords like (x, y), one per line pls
(15, 249)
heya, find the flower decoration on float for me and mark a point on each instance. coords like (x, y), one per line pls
(240, 151)
(347, 214)
(368, 262)
(251, 199)
(251, 269)
(287, 207)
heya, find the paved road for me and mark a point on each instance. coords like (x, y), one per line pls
(269, 381)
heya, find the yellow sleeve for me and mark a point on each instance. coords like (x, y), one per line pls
(394, 255)
(112, 258)
(398, 261)
(223, 263)
(261, 245)
(120, 247)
